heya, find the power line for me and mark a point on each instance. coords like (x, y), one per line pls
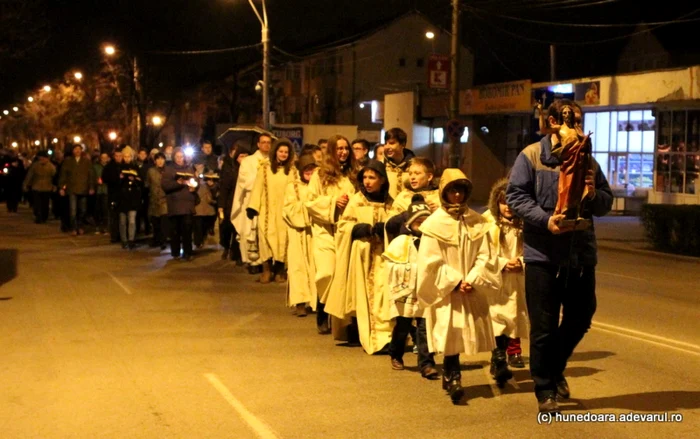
(204, 52)
(552, 4)
(588, 25)
(580, 43)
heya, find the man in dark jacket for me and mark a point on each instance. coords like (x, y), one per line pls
(110, 176)
(78, 182)
(559, 261)
(39, 180)
(179, 184)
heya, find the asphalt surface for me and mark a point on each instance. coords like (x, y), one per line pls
(99, 342)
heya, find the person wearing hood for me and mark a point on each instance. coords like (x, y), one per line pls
(266, 203)
(401, 257)
(301, 290)
(420, 181)
(560, 259)
(455, 275)
(330, 190)
(508, 306)
(227, 187)
(396, 159)
(359, 286)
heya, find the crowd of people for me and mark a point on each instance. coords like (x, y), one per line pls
(380, 249)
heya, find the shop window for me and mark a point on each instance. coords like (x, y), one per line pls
(678, 152)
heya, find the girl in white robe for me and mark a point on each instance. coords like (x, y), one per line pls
(508, 305)
(266, 202)
(301, 289)
(330, 189)
(359, 285)
(454, 277)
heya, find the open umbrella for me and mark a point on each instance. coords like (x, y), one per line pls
(244, 135)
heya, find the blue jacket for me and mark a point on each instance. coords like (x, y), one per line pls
(532, 194)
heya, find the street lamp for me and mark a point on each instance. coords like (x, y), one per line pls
(30, 99)
(110, 50)
(37, 142)
(112, 136)
(15, 109)
(5, 112)
(77, 139)
(157, 121)
(55, 140)
(78, 75)
(47, 88)
(266, 62)
(430, 35)
(14, 144)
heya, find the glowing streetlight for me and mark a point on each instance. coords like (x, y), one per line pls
(160, 145)
(15, 109)
(78, 76)
(112, 135)
(77, 139)
(5, 112)
(47, 88)
(430, 35)
(30, 99)
(37, 142)
(110, 50)
(55, 140)
(157, 120)
(14, 144)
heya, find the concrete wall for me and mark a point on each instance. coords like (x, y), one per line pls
(399, 112)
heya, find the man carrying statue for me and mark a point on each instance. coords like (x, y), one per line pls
(556, 187)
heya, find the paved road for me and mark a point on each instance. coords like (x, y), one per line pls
(103, 343)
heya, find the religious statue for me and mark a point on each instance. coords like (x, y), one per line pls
(573, 149)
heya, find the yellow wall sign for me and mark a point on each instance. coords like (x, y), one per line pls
(505, 97)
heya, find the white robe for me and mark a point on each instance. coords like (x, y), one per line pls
(241, 199)
(508, 305)
(300, 264)
(453, 251)
(400, 258)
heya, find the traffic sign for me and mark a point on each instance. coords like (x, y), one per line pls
(455, 129)
(439, 71)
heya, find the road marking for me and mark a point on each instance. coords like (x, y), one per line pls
(620, 275)
(118, 282)
(245, 320)
(261, 429)
(688, 348)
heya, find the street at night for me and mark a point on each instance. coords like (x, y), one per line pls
(98, 343)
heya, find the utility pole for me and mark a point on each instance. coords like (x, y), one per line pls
(136, 116)
(266, 63)
(455, 145)
(552, 62)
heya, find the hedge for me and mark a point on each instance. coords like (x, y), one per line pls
(673, 228)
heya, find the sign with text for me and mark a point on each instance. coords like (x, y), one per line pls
(439, 71)
(506, 97)
(296, 135)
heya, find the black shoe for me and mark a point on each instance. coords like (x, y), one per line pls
(323, 328)
(125, 245)
(224, 255)
(548, 404)
(132, 245)
(516, 361)
(499, 367)
(453, 385)
(429, 372)
(188, 258)
(563, 389)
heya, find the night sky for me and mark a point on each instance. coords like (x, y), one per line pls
(67, 34)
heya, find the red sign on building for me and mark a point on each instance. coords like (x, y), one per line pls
(439, 71)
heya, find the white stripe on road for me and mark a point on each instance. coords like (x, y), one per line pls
(688, 348)
(261, 429)
(245, 320)
(118, 282)
(620, 275)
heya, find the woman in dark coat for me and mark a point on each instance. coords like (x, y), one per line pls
(129, 199)
(181, 196)
(227, 187)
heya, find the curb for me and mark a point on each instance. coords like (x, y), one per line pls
(606, 246)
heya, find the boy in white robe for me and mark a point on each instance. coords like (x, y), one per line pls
(401, 257)
(454, 278)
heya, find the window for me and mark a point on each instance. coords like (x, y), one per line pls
(402, 62)
(623, 146)
(678, 152)
(420, 62)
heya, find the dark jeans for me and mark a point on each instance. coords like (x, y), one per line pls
(202, 224)
(398, 341)
(78, 209)
(451, 366)
(227, 239)
(113, 222)
(160, 229)
(548, 290)
(13, 199)
(41, 206)
(142, 216)
(180, 233)
(101, 212)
